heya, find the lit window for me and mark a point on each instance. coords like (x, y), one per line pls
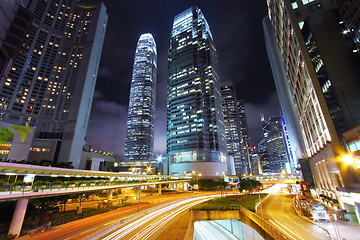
(307, 1)
(301, 25)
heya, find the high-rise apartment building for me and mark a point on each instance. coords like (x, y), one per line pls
(323, 78)
(233, 132)
(139, 142)
(52, 80)
(195, 124)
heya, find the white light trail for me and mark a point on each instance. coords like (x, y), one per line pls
(281, 227)
(120, 233)
(149, 231)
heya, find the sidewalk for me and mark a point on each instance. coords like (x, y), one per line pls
(337, 230)
(348, 231)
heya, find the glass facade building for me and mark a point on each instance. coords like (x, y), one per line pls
(236, 146)
(321, 66)
(139, 142)
(52, 80)
(245, 139)
(195, 124)
(275, 147)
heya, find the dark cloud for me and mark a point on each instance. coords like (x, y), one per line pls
(270, 107)
(238, 35)
(107, 126)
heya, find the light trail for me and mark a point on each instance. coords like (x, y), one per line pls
(281, 227)
(120, 233)
(150, 230)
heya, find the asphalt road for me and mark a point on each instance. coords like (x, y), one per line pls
(84, 227)
(278, 210)
(154, 224)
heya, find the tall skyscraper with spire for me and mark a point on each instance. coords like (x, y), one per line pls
(52, 80)
(195, 124)
(139, 142)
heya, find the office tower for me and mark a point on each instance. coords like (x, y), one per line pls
(232, 122)
(246, 152)
(275, 146)
(52, 81)
(195, 124)
(323, 76)
(139, 142)
(15, 22)
(295, 143)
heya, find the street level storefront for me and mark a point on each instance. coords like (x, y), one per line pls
(352, 204)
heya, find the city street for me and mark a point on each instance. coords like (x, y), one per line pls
(152, 225)
(84, 227)
(278, 209)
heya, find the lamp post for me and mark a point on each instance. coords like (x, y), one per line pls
(148, 169)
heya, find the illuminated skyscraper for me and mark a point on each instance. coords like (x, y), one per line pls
(235, 128)
(139, 142)
(52, 80)
(315, 60)
(195, 123)
(245, 139)
(275, 146)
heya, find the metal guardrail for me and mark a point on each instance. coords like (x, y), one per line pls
(121, 222)
(115, 226)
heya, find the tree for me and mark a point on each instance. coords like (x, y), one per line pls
(6, 133)
(248, 184)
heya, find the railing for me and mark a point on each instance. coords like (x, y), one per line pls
(49, 187)
(267, 227)
(263, 224)
(111, 228)
(30, 193)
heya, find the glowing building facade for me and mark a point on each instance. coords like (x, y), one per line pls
(139, 142)
(235, 128)
(275, 147)
(195, 124)
(322, 74)
(52, 80)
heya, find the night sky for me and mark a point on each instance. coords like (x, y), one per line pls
(237, 30)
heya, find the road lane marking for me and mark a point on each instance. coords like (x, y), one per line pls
(281, 225)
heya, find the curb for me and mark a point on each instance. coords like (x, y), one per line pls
(299, 214)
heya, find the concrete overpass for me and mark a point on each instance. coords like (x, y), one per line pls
(271, 178)
(31, 171)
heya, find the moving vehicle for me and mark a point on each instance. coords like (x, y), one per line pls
(318, 212)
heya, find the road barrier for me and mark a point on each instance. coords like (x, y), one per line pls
(125, 221)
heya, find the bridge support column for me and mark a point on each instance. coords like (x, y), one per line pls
(159, 188)
(110, 194)
(185, 186)
(18, 217)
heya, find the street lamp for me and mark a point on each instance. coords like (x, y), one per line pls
(347, 159)
(148, 169)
